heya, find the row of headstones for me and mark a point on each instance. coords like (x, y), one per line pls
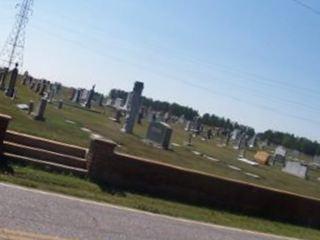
(240, 139)
(42, 87)
(85, 97)
(144, 112)
(158, 132)
(8, 80)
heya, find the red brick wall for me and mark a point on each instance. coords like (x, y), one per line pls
(4, 122)
(195, 187)
(46, 144)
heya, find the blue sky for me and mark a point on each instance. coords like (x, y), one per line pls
(254, 61)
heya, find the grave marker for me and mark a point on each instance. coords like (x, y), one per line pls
(39, 114)
(133, 107)
(296, 169)
(12, 82)
(160, 133)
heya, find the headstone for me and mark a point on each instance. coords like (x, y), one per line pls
(128, 101)
(118, 103)
(89, 97)
(51, 95)
(60, 104)
(100, 101)
(188, 126)
(133, 108)
(160, 133)
(12, 82)
(76, 96)
(3, 77)
(39, 114)
(228, 137)
(279, 156)
(262, 157)
(43, 87)
(72, 93)
(182, 119)
(14, 95)
(31, 107)
(109, 102)
(25, 78)
(140, 116)
(209, 134)
(295, 154)
(296, 169)
(32, 84)
(189, 142)
(252, 141)
(316, 161)
(235, 135)
(118, 116)
(29, 81)
(196, 126)
(167, 117)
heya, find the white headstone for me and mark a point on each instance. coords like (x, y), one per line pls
(296, 169)
(281, 151)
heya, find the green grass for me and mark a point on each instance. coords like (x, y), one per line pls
(55, 127)
(70, 185)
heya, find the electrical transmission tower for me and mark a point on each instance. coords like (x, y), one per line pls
(13, 49)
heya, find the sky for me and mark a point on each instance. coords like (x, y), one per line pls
(253, 61)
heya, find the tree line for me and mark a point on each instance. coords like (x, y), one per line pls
(292, 142)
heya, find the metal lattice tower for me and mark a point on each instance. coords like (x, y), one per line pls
(13, 49)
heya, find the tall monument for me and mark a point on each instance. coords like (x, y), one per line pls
(133, 107)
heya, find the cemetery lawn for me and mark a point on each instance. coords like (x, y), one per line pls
(58, 127)
(77, 187)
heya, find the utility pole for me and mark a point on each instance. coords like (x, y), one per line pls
(13, 49)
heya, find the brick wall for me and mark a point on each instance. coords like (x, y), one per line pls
(45, 144)
(195, 187)
(4, 122)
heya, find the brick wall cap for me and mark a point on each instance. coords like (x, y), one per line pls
(7, 117)
(104, 140)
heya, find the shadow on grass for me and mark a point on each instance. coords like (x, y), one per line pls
(5, 168)
(110, 189)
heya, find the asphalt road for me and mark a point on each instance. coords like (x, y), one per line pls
(23, 209)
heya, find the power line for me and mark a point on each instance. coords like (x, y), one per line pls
(307, 6)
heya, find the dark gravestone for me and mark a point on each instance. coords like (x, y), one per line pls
(37, 86)
(32, 83)
(25, 78)
(39, 114)
(76, 96)
(100, 102)
(72, 93)
(31, 107)
(3, 77)
(43, 87)
(279, 157)
(160, 133)
(118, 116)
(90, 97)
(12, 82)
(60, 104)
